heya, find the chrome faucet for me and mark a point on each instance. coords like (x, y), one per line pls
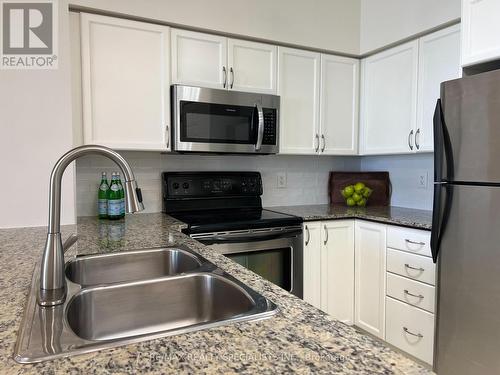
(52, 280)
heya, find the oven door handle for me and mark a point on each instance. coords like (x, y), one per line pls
(247, 237)
(260, 126)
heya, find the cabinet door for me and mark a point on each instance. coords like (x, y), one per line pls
(439, 61)
(337, 269)
(480, 31)
(199, 59)
(312, 263)
(126, 86)
(389, 100)
(339, 105)
(298, 86)
(252, 66)
(370, 277)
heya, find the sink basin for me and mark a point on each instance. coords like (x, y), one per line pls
(108, 313)
(123, 298)
(130, 266)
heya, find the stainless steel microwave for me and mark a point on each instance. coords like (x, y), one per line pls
(223, 121)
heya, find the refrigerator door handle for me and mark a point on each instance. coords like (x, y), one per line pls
(443, 152)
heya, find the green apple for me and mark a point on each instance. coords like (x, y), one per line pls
(350, 202)
(361, 202)
(367, 192)
(348, 191)
(358, 187)
(356, 197)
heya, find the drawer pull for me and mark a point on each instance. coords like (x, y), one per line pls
(420, 269)
(419, 335)
(414, 295)
(414, 242)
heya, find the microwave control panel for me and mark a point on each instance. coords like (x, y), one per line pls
(270, 126)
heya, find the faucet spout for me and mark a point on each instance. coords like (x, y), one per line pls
(52, 280)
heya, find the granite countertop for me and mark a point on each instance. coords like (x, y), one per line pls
(300, 338)
(407, 217)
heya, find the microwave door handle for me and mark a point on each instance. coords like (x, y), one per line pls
(260, 127)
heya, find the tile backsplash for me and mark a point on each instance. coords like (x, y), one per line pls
(307, 176)
(404, 172)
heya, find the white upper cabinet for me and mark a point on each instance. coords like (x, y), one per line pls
(126, 85)
(370, 249)
(207, 60)
(439, 61)
(389, 100)
(298, 87)
(199, 59)
(480, 31)
(252, 66)
(339, 105)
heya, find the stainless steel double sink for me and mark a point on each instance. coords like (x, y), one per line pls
(126, 297)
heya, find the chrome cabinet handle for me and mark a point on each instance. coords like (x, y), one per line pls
(326, 235)
(413, 295)
(317, 143)
(414, 243)
(419, 335)
(420, 269)
(225, 76)
(260, 128)
(231, 71)
(168, 135)
(308, 235)
(410, 142)
(324, 143)
(417, 139)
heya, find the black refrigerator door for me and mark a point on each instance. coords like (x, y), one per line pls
(443, 171)
(468, 313)
(471, 111)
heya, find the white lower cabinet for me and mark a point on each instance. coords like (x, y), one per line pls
(337, 269)
(410, 329)
(370, 245)
(329, 267)
(411, 292)
(378, 277)
(312, 263)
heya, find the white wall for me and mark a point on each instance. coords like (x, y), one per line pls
(404, 171)
(35, 129)
(385, 22)
(324, 24)
(307, 176)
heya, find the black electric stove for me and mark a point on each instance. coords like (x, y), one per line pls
(219, 201)
(224, 210)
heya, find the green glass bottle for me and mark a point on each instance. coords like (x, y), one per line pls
(122, 195)
(114, 199)
(102, 197)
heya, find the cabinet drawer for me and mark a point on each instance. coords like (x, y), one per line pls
(412, 292)
(415, 267)
(410, 329)
(411, 240)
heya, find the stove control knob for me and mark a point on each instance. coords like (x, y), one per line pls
(185, 185)
(175, 185)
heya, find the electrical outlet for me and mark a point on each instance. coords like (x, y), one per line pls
(422, 180)
(281, 180)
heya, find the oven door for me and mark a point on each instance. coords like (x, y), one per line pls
(210, 120)
(276, 257)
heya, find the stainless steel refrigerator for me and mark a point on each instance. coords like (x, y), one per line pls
(465, 237)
